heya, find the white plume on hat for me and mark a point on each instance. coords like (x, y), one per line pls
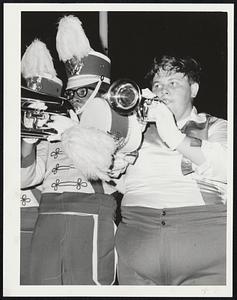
(71, 39)
(37, 61)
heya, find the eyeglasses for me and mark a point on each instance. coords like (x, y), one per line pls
(81, 92)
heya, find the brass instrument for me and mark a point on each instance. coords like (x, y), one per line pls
(124, 96)
(37, 109)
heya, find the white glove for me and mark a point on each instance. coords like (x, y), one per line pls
(30, 141)
(29, 121)
(38, 105)
(61, 123)
(121, 162)
(119, 165)
(148, 94)
(165, 124)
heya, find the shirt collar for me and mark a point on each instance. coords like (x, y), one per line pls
(194, 116)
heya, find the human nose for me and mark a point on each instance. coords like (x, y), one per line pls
(162, 91)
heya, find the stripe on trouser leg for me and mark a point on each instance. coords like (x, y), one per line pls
(95, 239)
(95, 243)
(94, 251)
(115, 256)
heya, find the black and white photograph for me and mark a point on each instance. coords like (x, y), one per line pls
(118, 134)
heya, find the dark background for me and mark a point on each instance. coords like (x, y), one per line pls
(136, 37)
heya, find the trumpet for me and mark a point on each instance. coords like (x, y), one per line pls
(124, 96)
(37, 109)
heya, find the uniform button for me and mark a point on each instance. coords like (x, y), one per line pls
(163, 213)
(163, 223)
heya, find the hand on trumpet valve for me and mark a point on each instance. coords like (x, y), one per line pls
(148, 94)
(166, 125)
(61, 124)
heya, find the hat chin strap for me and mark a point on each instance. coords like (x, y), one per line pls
(92, 96)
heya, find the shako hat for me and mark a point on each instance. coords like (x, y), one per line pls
(84, 66)
(38, 70)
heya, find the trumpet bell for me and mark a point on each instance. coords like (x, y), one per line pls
(36, 111)
(124, 95)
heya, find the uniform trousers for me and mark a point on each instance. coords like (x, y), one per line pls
(73, 240)
(173, 246)
(28, 218)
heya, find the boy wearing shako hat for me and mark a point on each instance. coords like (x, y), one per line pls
(73, 241)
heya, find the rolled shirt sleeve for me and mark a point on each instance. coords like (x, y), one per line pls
(215, 152)
(33, 166)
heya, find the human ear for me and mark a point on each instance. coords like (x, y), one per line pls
(194, 89)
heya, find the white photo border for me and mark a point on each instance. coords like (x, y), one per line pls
(11, 211)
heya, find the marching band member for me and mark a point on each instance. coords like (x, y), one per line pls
(73, 240)
(173, 228)
(39, 75)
